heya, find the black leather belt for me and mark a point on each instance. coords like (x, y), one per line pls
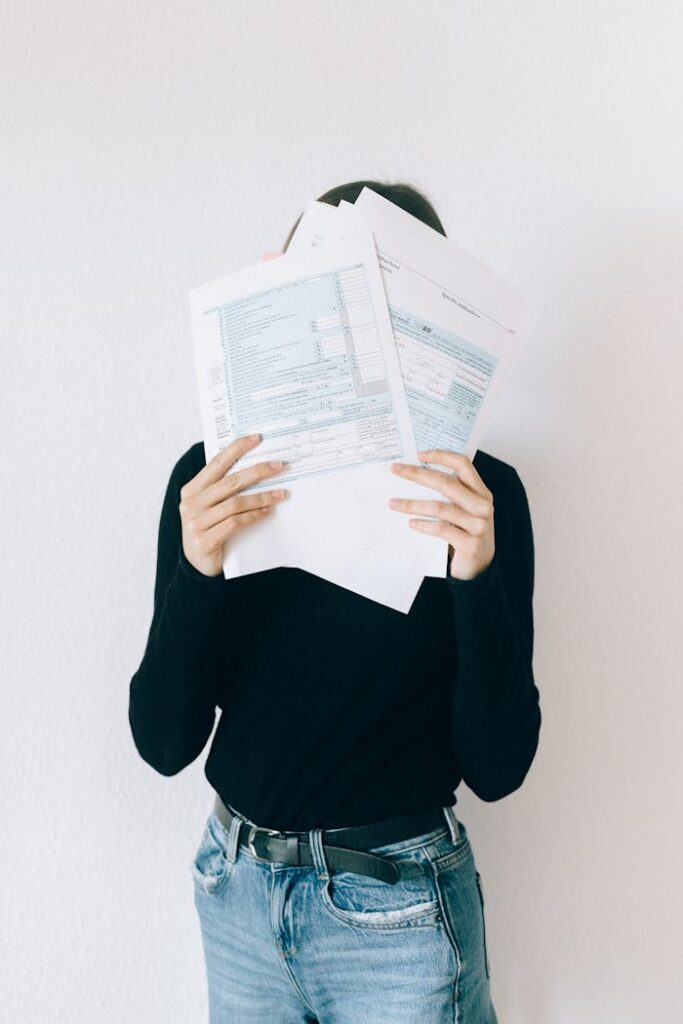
(351, 854)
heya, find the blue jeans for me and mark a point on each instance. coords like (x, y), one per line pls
(299, 945)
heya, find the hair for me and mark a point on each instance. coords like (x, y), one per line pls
(401, 194)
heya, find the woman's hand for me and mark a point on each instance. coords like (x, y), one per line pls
(465, 519)
(212, 510)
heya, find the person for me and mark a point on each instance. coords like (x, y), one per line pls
(333, 880)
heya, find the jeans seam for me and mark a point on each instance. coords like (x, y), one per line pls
(483, 924)
(282, 956)
(452, 939)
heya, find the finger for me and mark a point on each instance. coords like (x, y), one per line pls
(236, 505)
(231, 483)
(451, 488)
(462, 464)
(444, 510)
(218, 534)
(218, 466)
(447, 531)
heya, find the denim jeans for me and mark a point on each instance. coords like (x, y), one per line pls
(306, 944)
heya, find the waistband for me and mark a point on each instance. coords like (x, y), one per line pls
(345, 849)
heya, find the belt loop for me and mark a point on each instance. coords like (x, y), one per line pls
(234, 834)
(453, 824)
(317, 849)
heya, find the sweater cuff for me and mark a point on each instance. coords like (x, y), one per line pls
(206, 584)
(478, 586)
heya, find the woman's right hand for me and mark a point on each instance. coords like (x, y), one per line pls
(212, 509)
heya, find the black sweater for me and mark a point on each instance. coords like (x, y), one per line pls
(336, 710)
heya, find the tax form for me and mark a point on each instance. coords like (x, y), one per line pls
(301, 350)
(390, 574)
(458, 329)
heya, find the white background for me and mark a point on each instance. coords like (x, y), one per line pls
(150, 147)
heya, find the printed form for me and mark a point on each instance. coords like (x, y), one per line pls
(301, 350)
(458, 329)
(458, 326)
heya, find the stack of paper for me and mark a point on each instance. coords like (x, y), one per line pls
(371, 338)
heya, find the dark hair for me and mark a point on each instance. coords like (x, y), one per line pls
(406, 196)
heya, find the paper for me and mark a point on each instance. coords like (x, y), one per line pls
(391, 574)
(301, 350)
(458, 325)
(458, 329)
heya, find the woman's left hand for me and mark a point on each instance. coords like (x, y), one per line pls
(465, 519)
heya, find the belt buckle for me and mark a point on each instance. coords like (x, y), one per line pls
(250, 841)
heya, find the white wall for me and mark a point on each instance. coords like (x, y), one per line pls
(148, 147)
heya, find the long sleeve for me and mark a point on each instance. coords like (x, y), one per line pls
(496, 710)
(172, 695)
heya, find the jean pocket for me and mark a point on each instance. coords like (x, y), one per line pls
(365, 902)
(210, 867)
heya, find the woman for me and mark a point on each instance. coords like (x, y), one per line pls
(333, 880)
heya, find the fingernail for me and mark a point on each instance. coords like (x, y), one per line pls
(393, 503)
(276, 464)
(278, 494)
